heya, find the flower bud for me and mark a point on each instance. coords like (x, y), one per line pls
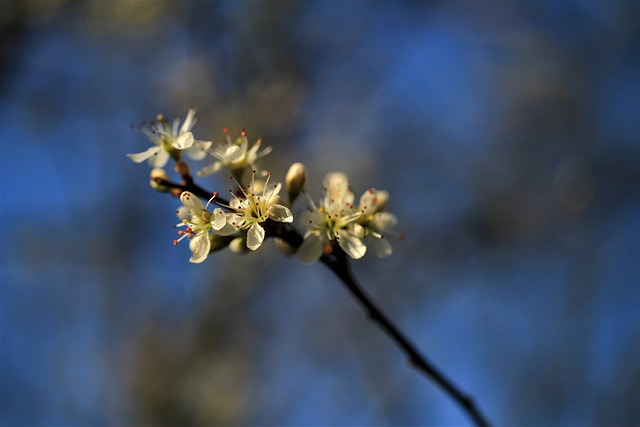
(156, 175)
(219, 242)
(239, 245)
(284, 247)
(295, 181)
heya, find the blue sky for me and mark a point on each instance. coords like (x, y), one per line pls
(518, 275)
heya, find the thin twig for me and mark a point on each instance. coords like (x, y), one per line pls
(339, 264)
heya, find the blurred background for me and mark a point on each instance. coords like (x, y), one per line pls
(507, 134)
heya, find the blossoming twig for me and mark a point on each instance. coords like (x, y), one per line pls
(335, 230)
(337, 262)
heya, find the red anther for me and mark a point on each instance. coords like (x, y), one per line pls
(215, 194)
(180, 232)
(374, 200)
(225, 130)
(175, 243)
(243, 133)
(188, 230)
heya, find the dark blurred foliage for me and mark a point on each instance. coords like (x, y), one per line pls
(506, 132)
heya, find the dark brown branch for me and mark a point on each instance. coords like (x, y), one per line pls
(191, 187)
(339, 264)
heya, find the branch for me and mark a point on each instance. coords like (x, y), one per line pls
(338, 262)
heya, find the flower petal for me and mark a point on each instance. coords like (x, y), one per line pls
(233, 153)
(235, 220)
(219, 219)
(199, 245)
(368, 202)
(183, 141)
(311, 249)
(237, 203)
(141, 157)
(309, 219)
(183, 213)
(192, 203)
(380, 246)
(160, 159)
(227, 230)
(210, 170)
(352, 245)
(255, 236)
(198, 150)
(384, 221)
(273, 190)
(189, 121)
(280, 213)
(337, 187)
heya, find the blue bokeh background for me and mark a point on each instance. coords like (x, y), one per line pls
(507, 134)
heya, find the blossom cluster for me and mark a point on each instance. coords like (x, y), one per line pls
(241, 223)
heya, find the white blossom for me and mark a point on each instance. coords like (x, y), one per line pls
(169, 140)
(337, 220)
(252, 210)
(199, 222)
(235, 155)
(332, 221)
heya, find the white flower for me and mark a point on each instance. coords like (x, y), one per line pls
(235, 155)
(169, 140)
(355, 229)
(333, 221)
(254, 209)
(199, 222)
